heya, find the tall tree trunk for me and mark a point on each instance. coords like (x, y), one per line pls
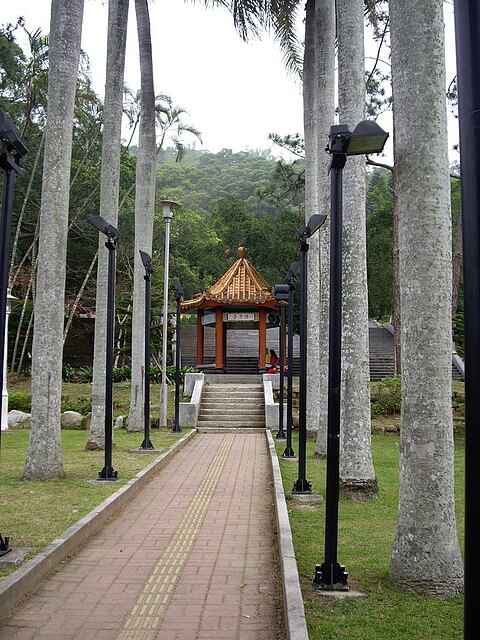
(21, 319)
(457, 263)
(325, 117)
(109, 195)
(144, 212)
(396, 318)
(36, 162)
(78, 297)
(357, 476)
(311, 207)
(426, 556)
(44, 459)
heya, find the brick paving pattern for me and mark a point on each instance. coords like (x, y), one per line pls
(192, 557)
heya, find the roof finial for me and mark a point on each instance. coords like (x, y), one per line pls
(241, 252)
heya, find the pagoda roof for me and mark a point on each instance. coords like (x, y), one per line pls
(240, 285)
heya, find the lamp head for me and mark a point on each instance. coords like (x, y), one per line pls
(178, 289)
(167, 206)
(338, 138)
(11, 137)
(367, 137)
(281, 292)
(294, 267)
(146, 261)
(314, 223)
(104, 227)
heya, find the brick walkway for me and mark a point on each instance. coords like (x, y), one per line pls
(193, 556)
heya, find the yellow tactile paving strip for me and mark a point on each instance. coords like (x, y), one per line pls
(145, 617)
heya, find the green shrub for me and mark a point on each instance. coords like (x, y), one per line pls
(20, 401)
(81, 405)
(121, 374)
(386, 396)
(68, 373)
(85, 374)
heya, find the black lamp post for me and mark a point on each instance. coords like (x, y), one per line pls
(302, 485)
(147, 263)
(467, 30)
(281, 295)
(12, 150)
(367, 137)
(108, 472)
(178, 297)
(289, 452)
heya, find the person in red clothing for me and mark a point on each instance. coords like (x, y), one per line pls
(274, 360)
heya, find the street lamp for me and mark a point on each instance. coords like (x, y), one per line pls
(147, 263)
(12, 150)
(468, 74)
(281, 295)
(167, 206)
(108, 472)
(178, 297)
(302, 485)
(4, 424)
(289, 452)
(367, 137)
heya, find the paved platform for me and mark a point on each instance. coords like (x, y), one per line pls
(193, 555)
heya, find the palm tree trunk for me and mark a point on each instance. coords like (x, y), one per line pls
(20, 321)
(144, 212)
(311, 207)
(357, 475)
(426, 556)
(25, 201)
(325, 115)
(79, 297)
(457, 263)
(109, 196)
(44, 459)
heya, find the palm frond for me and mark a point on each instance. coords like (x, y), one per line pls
(284, 16)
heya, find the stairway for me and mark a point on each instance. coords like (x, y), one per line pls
(456, 374)
(382, 362)
(232, 407)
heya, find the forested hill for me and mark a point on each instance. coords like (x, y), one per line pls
(201, 178)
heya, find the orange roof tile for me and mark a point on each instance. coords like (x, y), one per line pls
(241, 284)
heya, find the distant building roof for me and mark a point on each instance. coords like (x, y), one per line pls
(240, 285)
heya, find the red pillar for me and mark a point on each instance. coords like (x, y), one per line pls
(262, 337)
(200, 337)
(219, 334)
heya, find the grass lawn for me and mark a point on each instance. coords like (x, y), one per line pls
(33, 514)
(366, 533)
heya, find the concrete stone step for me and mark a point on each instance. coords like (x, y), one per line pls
(233, 412)
(233, 424)
(205, 429)
(224, 396)
(225, 389)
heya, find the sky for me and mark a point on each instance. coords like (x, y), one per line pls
(235, 93)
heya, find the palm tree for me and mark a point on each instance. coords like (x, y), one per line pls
(426, 556)
(109, 192)
(155, 111)
(357, 476)
(144, 211)
(44, 458)
(324, 112)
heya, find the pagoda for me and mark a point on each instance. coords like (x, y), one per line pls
(240, 299)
